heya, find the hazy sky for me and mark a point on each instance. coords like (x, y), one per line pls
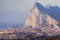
(16, 11)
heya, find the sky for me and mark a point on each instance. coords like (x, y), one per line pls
(16, 11)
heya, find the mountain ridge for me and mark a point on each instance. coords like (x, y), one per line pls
(36, 11)
(41, 20)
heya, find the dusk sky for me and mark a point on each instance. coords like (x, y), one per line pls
(16, 11)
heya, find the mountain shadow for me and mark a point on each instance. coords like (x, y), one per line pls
(53, 11)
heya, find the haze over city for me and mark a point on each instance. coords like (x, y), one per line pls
(30, 19)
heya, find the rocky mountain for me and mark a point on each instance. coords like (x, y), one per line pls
(39, 18)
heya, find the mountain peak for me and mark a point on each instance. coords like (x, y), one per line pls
(40, 7)
(39, 19)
